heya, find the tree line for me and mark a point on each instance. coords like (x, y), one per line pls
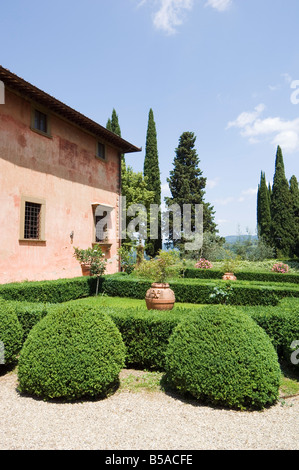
(278, 211)
(277, 204)
(186, 184)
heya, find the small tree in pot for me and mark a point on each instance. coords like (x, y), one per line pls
(93, 262)
(159, 269)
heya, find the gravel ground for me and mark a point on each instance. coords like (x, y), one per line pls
(140, 421)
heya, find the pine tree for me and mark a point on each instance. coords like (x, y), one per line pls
(152, 173)
(294, 190)
(263, 210)
(282, 221)
(187, 185)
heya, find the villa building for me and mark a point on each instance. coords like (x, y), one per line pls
(60, 178)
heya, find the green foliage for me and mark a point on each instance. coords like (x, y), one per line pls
(56, 291)
(30, 313)
(127, 259)
(294, 190)
(138, 198)
(275, 321)
(263, 210)
(187, 186)
(151, 171)
(145, 334)
(282, 220)
(193, 273)
(11, 333)
(74, 352)
(165, 265)
(223, 357)
(93, 257)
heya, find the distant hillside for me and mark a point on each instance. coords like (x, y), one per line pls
(230, 239)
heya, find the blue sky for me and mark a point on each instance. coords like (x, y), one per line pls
(223, 69)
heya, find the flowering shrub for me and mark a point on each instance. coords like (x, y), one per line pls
(203, 264)
(280, 268)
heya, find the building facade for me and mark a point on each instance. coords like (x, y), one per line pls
(60, 183)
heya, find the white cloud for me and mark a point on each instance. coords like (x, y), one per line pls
(224, 201)
(247, 193)
(277, 130)
(212, 183)
(287, 77)
(220, 5)
(171, 14)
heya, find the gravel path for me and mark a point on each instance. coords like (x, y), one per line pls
(140, 420)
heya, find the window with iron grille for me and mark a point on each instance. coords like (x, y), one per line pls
(32, 222)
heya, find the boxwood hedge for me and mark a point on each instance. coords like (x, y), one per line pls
(73, 352)
(223, 358)
(186, 290)
(11, 334)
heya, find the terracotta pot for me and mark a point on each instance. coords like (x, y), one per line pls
(229, 277)
(160, 297)
(85, 270)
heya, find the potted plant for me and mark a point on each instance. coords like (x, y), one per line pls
(229, 267)
(165, 265)
(92, 260)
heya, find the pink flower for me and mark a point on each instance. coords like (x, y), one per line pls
(203, 264)
(280, 268)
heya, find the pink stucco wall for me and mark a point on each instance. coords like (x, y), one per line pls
(65, 172)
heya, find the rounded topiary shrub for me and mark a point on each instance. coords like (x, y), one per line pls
(73, 352)
(11, 334)
(224, 358)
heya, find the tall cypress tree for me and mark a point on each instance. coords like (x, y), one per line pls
(152, 173)
(294, 190)
(282, 222)
(187, 185)
(263, 210)
(113, 124)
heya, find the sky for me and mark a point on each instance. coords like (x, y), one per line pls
(227, 70)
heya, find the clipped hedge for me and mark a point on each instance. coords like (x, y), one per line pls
(73, 352)
(56, 291)
(201, 292)
(11, 334)
(186, 290)
(30, 313)
(195, 273)
(146, 334)
(224, 358)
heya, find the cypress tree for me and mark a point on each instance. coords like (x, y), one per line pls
(113, 124)
(263, 210)
(151, 172)
(282, 221)
(187, 185)
(294, 190)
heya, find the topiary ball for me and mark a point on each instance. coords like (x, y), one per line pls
(224, 358)
(73, 352)
(11, 334)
